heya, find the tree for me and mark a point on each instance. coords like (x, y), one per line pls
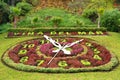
(4, 12)
(25, 7)
(100, 6)
(14, 14)
(12, 2)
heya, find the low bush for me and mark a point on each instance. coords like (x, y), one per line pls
(111, 20)
(56, 20)
(5, 27)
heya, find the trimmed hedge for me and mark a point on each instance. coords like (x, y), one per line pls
(47, 29)
(4, 27)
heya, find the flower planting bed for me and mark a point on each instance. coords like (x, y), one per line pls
(54, 33)
(34, 55)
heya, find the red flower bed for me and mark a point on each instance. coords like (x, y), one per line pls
(13, 56)
(16, 34)
(48, 48)
(39, 52)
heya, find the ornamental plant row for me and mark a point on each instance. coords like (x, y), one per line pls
(61, 31)
(54, 33)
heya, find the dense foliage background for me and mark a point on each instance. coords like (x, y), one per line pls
(75, 13)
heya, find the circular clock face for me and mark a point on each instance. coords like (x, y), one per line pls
(39, 52)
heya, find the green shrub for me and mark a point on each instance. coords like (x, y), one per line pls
(34, 20)
(5, 27)
(56, 20)
(79, 23)
(25, 7)
(111, 20)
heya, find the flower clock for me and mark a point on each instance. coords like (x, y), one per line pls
(59, 55)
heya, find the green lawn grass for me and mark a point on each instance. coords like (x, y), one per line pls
(43, 18)
(111, 42)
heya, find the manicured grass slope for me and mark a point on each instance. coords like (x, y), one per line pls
(112, 42)
(43, 18)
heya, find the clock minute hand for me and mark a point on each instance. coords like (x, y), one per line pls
(71, 44)
(68, 45)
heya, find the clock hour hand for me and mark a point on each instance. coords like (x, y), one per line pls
(53, 41)
(57, 45)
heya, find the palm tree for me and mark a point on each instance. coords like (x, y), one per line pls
(15, 13)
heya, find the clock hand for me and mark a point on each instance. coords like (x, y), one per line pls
(71, 44)
(53, 41)
(68, 45)
(57, 45)
(55, 55)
